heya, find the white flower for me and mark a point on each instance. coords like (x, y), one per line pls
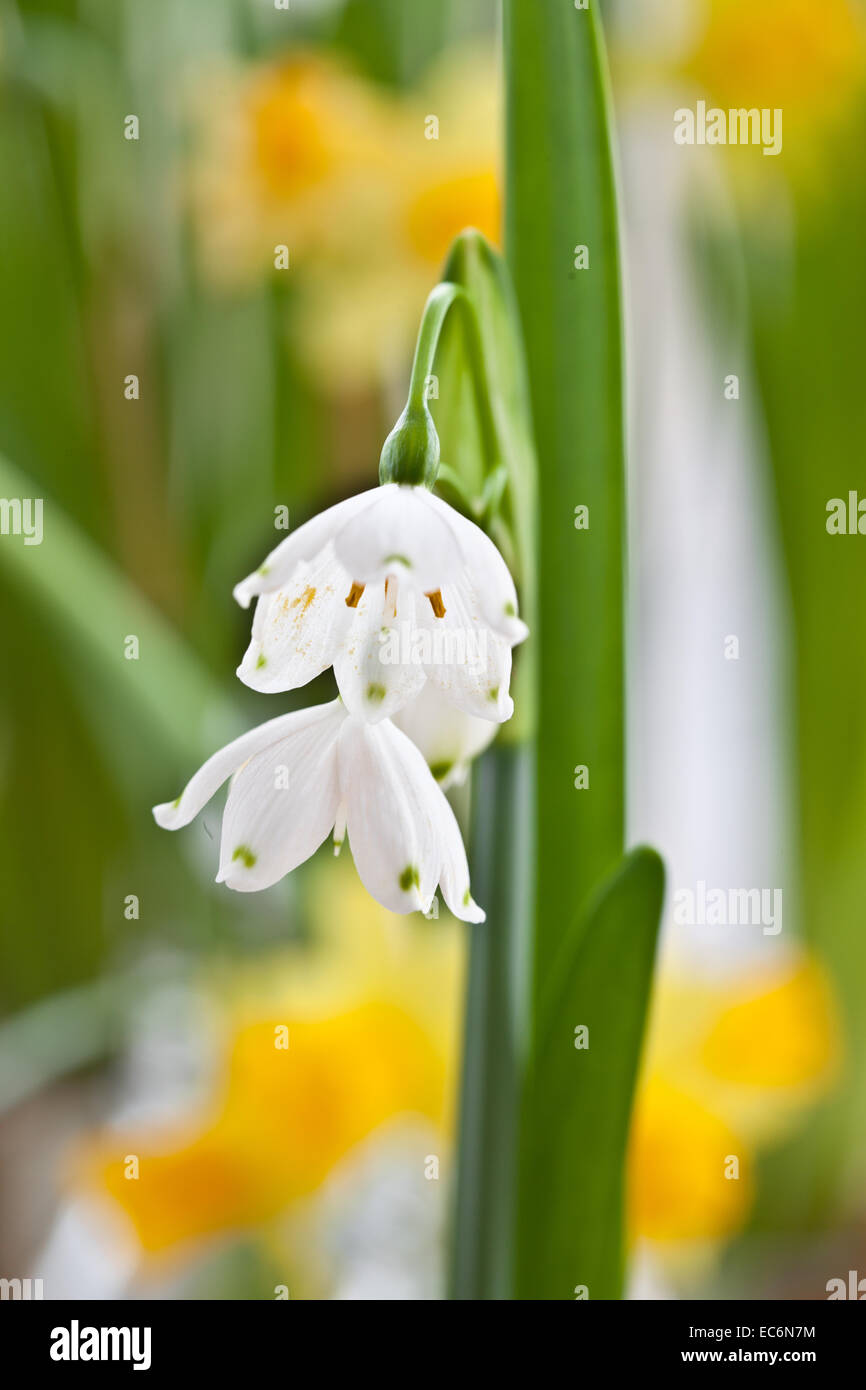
(301, 775)
(393, 588)
(448, 738)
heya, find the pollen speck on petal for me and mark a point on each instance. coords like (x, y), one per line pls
(305, 599)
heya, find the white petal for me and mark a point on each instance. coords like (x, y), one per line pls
(283, 803)
(448, 738)
(399, 529)
(303, 544)
(375, 669)
(393, 835)
(171, 815)
(488, 571)
(454, 872)
(471, 663)
(297, 630)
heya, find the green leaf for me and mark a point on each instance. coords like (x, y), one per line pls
(508, 442)
(485, 429)
(164, 697)
(560, 194)
(579, 1099)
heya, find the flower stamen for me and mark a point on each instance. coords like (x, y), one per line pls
(354, 595)
(391, 598)
(435, 597)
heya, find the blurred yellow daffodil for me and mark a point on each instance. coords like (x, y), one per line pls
(728, 1068)
(785, 75)
(807, 59)
(283, 154)
(366, 190)
(323, 1047)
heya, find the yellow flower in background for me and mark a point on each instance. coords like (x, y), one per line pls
(290, 154)
(804, 57)
(452, 158)
(777, 1034)
(679, 1152)
(728, 1068)
(367, 188)
(358, 317)
(324, 1045)
(299, 1095)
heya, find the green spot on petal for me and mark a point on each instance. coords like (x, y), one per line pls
(440, 770)
(376, 694)
(245, 855)
(262, 661)
(409, 878)
(467, 898)
(397, 560)
(176, 802)
(493, 693)
(509, 610)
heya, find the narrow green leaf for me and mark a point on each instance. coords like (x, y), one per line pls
(478, 438)
(165, 695)
(579, 1097)
(473, 264)
(561, 195)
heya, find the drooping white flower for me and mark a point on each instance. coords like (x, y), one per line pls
(448, 738)
(299, 776)
(393, 588)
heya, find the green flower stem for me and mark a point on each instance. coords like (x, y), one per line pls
(436, 310)
(494, 1045)
(503, 855)
(411, 452)
(487, 438)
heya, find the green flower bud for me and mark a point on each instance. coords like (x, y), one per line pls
(410, 454)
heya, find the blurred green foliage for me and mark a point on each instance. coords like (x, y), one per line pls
(153, 507)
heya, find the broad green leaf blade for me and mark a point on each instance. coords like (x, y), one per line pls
(561, 195)
(579, 1099)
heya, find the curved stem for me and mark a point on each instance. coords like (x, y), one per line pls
(436, 310)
